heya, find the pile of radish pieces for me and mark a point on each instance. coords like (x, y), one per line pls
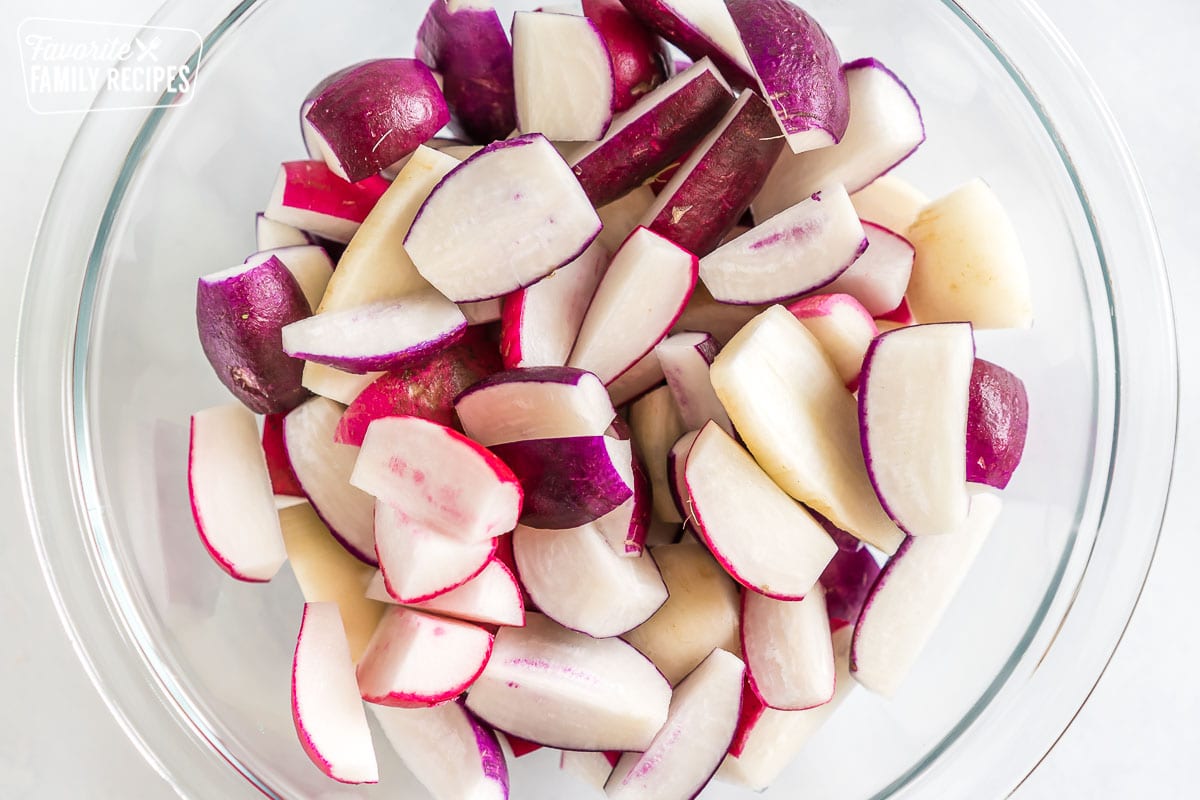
(654, 348)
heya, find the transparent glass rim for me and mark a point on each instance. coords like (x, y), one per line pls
(120, 656)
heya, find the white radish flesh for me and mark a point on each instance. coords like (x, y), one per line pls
(879, 277)
(685, 358)
(657, 424)
(636, 381)
(309, 264)
(482, 312)
(336, 385)
(562, 75)
(269, 234)
(722, 320)
(418, 563)
(591, 768)
(789, 650)
(534, 403)
(626, 526)
(843, 327)
(492, 597)
(890, 202)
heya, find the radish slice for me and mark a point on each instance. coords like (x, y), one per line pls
(730, 494)
(328, 713)
(878, 277)
(575, 578)
(450, 752)
(418, 563)
(692, 743)
(848, 579)
(638, 300)
(722, 320)
(534, 403)
(565, 689)
(591, 768)
(639, 58)
(890, 202)
(657, 424)
(701, 29)
(636, 381)
(915, 388)
(309, 264)
(279, 468)
(621, 216)
(626, 526)
(676, 478)
(997, 420)
(323, 468)
(492, 597)
(416, 660)
(844, 329)
(308, 196)
(442, 480)
(269, 234)
(333, 384)
(507, 216)
(795, 251)
(230, 491)
(562, 75)
(910, 596)
(788, 649)
(685, 358)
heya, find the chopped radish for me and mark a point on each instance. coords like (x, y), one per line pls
(418, 563)
(722, 320)
(626, 526)
(890, 202)
(518, 746)
(676, 476)
(563, 77)
(639, 58)
(638, 300)
(333, 384)
(621, 216)
(483, 312)
(279, 468)
(915, 388)
(269, 234)
(730, 494)
(442, 479)
(326, 708)
(842, 326)
(565, 689)
(788, 650)
(309, 264)
(898, 317)
(997, 420)
(507, 216)
(848, 579)
(492, 597)
(701, 29)
(878, 277)
(308, 196)
(230, 491)
(534, 403)
(657, 424)
(636, 381)
(911, 594)
(590, 767)
(685, 358)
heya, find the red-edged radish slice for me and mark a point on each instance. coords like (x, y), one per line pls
(326, 708)
(621, 216)
(685, 358)
(269, 234)
(308, 196)
(591, 768)
(230, 491)
(279, 468)
(506, 217)
(639, 58)
(562, 75)
(419, 563)
(442, 480)
(636, 381)
(730, 494)
(788, 650)
(701, 29)
(565, 689)
(493, 597)
(676, 477)
(914, 397)
(890, 202)
(638, 300)
(997, 420)
(657, 424)
(910, 596)
(879, 277)
(626, 526)
(309, 264)
(416, 660)
(692, 742)
(843, 327)
(534, 403)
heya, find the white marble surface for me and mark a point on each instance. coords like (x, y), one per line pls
(1135, 738)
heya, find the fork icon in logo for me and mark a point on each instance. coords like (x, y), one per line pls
(147, 50)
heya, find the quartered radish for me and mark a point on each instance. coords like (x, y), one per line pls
(701, 29)
(591, 768)
(562, 75)
(636, 381)
(890, 202)
(621, 216)
(843, 327)
(788, 650)
(269, 234)
(676, 477)
(997, 420)
(722, 320)
(309, 196)
(626, 526)
(913, 400)
(279, 468)
(419, 563)
(534, 403)
(309, 264)
(657, 424)
(879, 277)
(230, 492)
(685, 358)
(639, 58)
(492, 597)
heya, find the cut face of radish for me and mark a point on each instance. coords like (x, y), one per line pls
(638, 300)
(765, 540)
(269, 234)
(639, 58)
(878, 277)
(575, 578)
(657, 424)
(795, 251)
(283, 479)
(565, 689)
(793, 412)
(722, 320)
(442, 480)
(328, 713)
(230, 491)
(915, 387)
(997, 420)
(701, 29)
(562, 75)
(788, 650)
(340, 387)
(842, 326)
(492, 597)
(591, 768)
(636, 381)
(685, 358)
(507, 216)
(910, 596)
(309, 264)
(621, 216)
(323, 468)
(534, 403)
(626, 526)
(418, 563)
(890, 202)
(308, 196)
(416, 660)
(692, 743)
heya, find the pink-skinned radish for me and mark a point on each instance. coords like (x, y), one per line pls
(913, 399)
(309, 264)
(565, 689)
(626, 526)
(685, 358)
(326, 708)
(721, 320)
(701, 29)
(639, 298)
(911, 594)
(419, 563)
(417, 660)
(230, 492)
(621, 216)
(693, 741)
(483, 312)
(451, 753)
(240, 315)
(442, 480)
(323, 468)
(798, 250)
(657, 424)
(848, 580)
(652, 134)
(842, 326)
(493, 597)
(279, 467)
(795, 415)
(638, 57)
(534, 403)
(898, 317)
(890, 202)
(704, 200)
(563, 77)
(269, 234)
(575, 578)
(504, 218)
(878, 277)
(591, 768)
(569, 481)
(676, 478)
(997, 421)
(797, 69)
(885, 128)
(308, 196)
(730, 494)
(788, 650)
(635, 382)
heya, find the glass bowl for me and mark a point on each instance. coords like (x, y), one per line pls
(196, 666)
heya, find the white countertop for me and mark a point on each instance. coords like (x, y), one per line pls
(1135, 738)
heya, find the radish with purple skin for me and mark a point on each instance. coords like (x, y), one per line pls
(279, 468)
(848, 580)
(997, 421)
(309, 196)
(657, 424)
(309, 264)
(844, 329)
(626, 526)
(701, 29)
(269, 234)
(493, 597)
(635, 382)
(685, 358)
(638, 57)
(534, 403)
(788, 650)
(879, 277)
(418, 563)
(676, 478)
(890, 202)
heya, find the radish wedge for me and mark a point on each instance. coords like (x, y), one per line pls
(493, 597)
(416, 660)
(914, 397)
(692, 743)
(657, 424)
(626, 526)
(843, 327)
(685, 358)
(279, 468)
(701, 29)
(309, 264)
(765, 540)
(639, 58)
(326, 708)
(878, 277)
(230, 492)
(565, 689)
(534, 403)
(676, 477)
(507, 216)
(997, 420)
(270, 235)
(890, 202)
(574, 577)
(309, 196)
(562, 75)
(910, 596)
(635, 382)
(442, 480)
(418, 563)
(638, 300)
(788, 650)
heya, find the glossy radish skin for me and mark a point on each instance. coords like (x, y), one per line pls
(418, 563)
(493, 597)
(309, 196)
(997, 420)
(788, 650)
(657, 424)
(848, 579)
(639, 58)
(309, 264)
(534, 403)
(701, 29)
(843, 327)
(283, 477)
(685, 358)
(879, 276)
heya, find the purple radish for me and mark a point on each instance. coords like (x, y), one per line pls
(997, 421)
(878, 277)
(701, 29)
(635, 382)
(269, 234)
(309, 264)
(563, 77)
(309, 196)
(639, 58)
(685, 358)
